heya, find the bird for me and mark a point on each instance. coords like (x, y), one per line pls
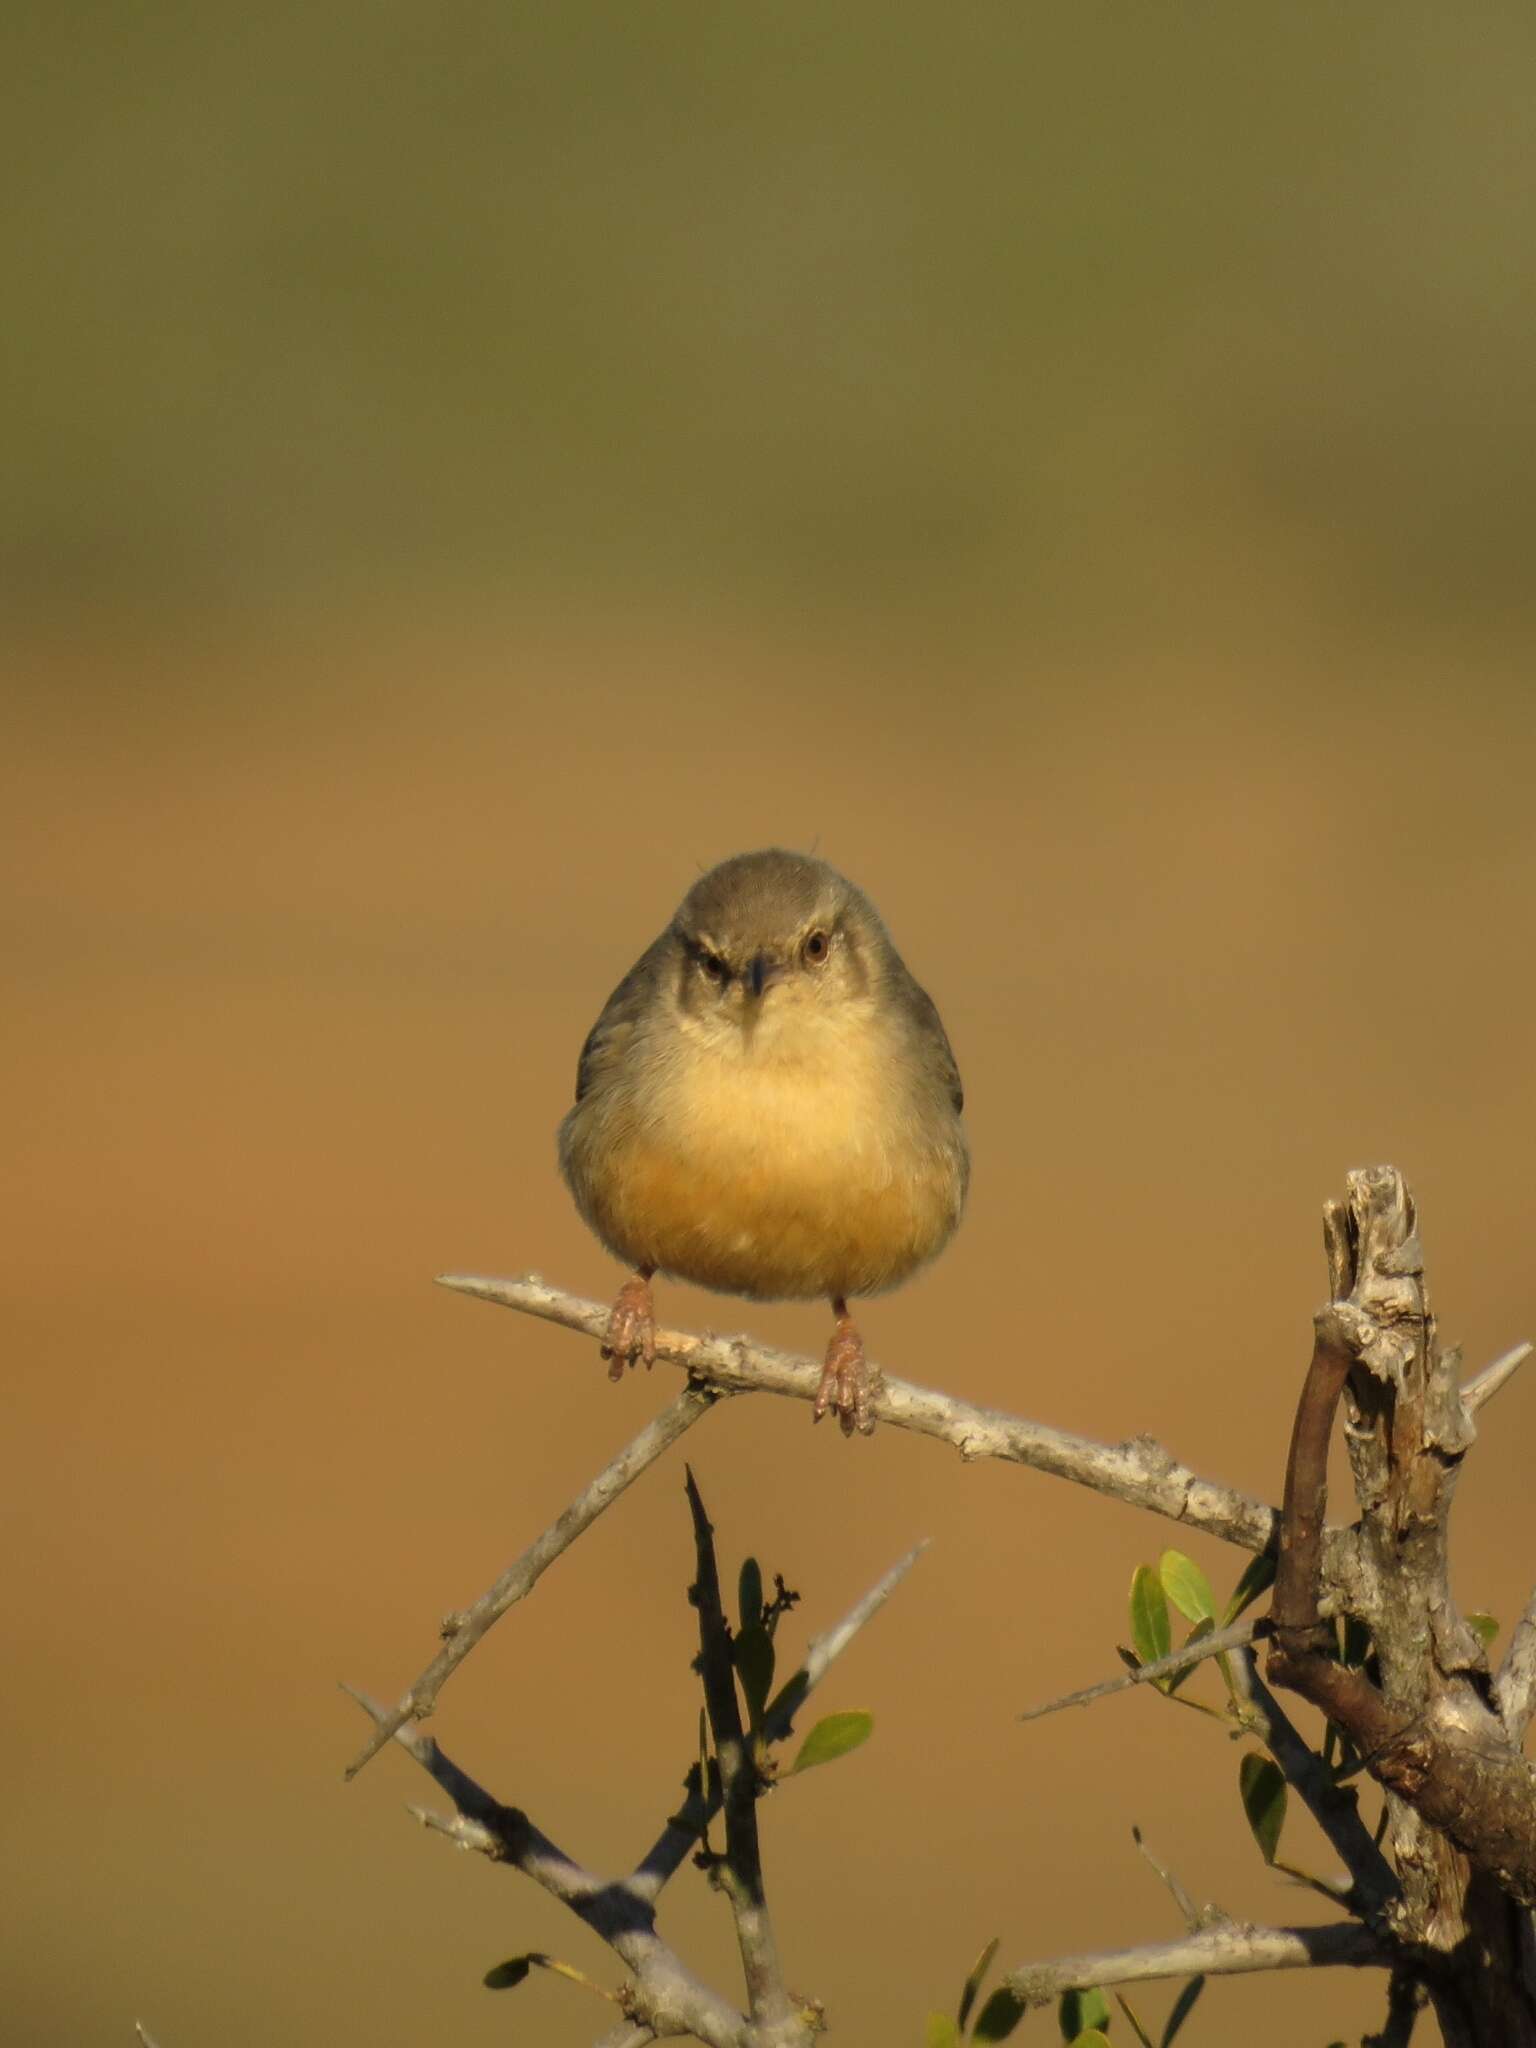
(768, 1106)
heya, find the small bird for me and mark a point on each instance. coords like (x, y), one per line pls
(768, 1106)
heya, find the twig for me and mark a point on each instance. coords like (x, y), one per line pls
(1236, 1637)
(666, 1854)
(1194, 1918)
(1139, 1472)
(1487, 1383)
(464, 1630)
(666, 1996)
(740, 1872)
(1335, 1808)
(1405, 2001)
(1213, 1952)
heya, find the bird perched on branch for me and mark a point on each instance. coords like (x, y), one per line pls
(768, 1106)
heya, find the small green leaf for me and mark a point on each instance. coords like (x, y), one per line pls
(833, 1737)
(1136, 2027)
(753, 1655)
(1183, 2006)
(1094, 2038)
(507, 1974)
(1150, 1632)
(999, 2016)
(941, 2032)
(1263, 1789)
(1186, 1586)
(749, 1595)
(979, 1969)
(1257, 1579)
(1484, 1627)
(1082, 2012)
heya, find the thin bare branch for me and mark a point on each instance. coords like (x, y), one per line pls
(666, 1855)
(1236, 1637)
(1139, 1472)
(1223, 1951)
(463, 1631)
(626, 2035)
(1487, 1383)
(1193, 1917)
(666, 1996)
(740, 1871)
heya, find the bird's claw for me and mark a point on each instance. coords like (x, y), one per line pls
(845, 1382)
(631, 1331)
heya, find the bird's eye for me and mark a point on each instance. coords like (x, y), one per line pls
(714, 967)
(816, 948)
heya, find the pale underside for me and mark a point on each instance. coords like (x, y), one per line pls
(782, 1179)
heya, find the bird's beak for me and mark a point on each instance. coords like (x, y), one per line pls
(764, 972)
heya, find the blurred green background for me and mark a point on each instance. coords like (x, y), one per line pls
(464, 471)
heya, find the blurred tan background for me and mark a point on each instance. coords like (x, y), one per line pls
(467, 469)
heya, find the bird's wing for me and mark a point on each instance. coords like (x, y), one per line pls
(610, 1036)
(929, 1026)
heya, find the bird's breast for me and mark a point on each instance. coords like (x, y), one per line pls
(778, 1177)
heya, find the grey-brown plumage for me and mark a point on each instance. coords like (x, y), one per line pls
(768, 1105)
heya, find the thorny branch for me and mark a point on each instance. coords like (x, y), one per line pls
(1225, 1950)
(1458, 1783)
(463, 1631)
(740, 1870)
(1139, 1472)
(665, 1997)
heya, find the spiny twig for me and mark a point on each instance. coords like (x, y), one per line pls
(740, 1871)
(1139, 1472)
(666, 1854)
(1212, 1951)
(464, 1630)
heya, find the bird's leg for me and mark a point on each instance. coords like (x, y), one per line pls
(631, 1331)
(845, 1387)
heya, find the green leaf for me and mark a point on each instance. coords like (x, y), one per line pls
(979, 1969)
(1263, 1789)
(753, 1655)
(1137, 2028)
(1081, 2013)
(1484, 1627)
(999, 2016)
(1150, 1632)
(1094, 2038)
(507, 1974)
(941, 2032)
(1186, 1586)
(749, 1595)
(1257, 1579)
(833, 1737)
(1183, 2006)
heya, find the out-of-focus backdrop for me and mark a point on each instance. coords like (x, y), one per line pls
(465, 469)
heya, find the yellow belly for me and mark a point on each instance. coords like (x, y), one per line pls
(767, 1182)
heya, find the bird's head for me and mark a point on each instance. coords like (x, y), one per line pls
(769, 944)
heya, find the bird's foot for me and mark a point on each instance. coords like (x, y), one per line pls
(845, 1378)
(631, 1331)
